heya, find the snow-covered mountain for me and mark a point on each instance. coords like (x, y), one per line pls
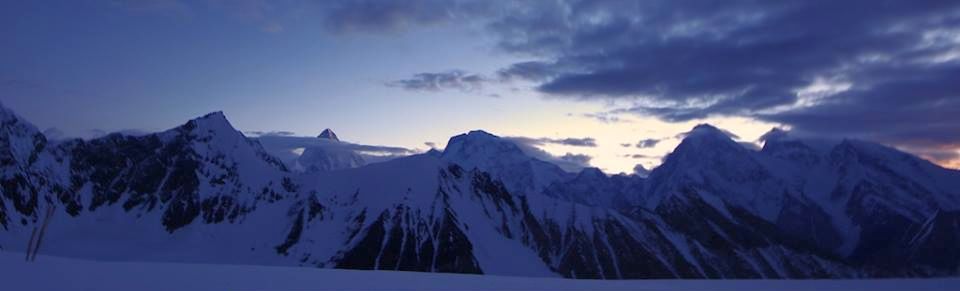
(327, 155)
(203, 192)
(504, 160)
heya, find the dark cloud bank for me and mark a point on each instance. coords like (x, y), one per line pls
(898, 61)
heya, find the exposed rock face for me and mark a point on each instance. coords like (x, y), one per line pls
(328, 134)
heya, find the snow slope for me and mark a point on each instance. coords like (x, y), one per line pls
(61, 274)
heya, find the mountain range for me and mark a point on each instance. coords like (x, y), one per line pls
(204, 192)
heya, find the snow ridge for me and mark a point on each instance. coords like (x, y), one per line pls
(203, 192)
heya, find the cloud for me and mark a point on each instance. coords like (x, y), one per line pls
(270, 133)
(570, 141)
(604, 117)
(640, 156)
(530, 71)
(714, 58)
(884, 72)
(384, 16)
(892, 68)
(580, 159)
(54, 133)
(917, 109)
(626, 145)
(647, 143)
(569, 162)
(703, 127)
(430, 144)
(432, 82)
(285, 147)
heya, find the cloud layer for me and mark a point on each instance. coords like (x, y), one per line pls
(454, 79)
(284, 145)
(884, 71)
(569, 141)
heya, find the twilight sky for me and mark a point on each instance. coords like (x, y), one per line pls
(609, 83)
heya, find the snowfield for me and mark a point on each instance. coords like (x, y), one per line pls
(55, 273)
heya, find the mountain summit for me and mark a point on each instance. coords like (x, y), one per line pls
(204, 193)
(328, 134)
(504, 160)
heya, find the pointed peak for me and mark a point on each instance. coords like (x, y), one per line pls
(328, 134)
(214, 121)
(212, 117)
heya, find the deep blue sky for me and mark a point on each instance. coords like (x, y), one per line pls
(624, 73)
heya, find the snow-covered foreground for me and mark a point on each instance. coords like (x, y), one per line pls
(54, 273)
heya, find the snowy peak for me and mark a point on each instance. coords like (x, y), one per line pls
(328, 134)
(10, 119)
(707, 131)
(503, 159)
(20, 140)
(212, 136)
(706, 141)
(214, 123)
(478, 146)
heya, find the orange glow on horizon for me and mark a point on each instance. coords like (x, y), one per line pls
(950, 164)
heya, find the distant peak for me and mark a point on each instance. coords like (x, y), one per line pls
(473, 135)
(705, 126)
(328, 134)
(479, 143)
(641, 171)
(707, 130)
(705, 138)
(476, 134)
(591, 172)
(774, 134)
(480, 132)
(710, 129)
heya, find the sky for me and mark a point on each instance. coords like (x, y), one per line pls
(609, 84)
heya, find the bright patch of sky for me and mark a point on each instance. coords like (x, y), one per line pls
(86, 67)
